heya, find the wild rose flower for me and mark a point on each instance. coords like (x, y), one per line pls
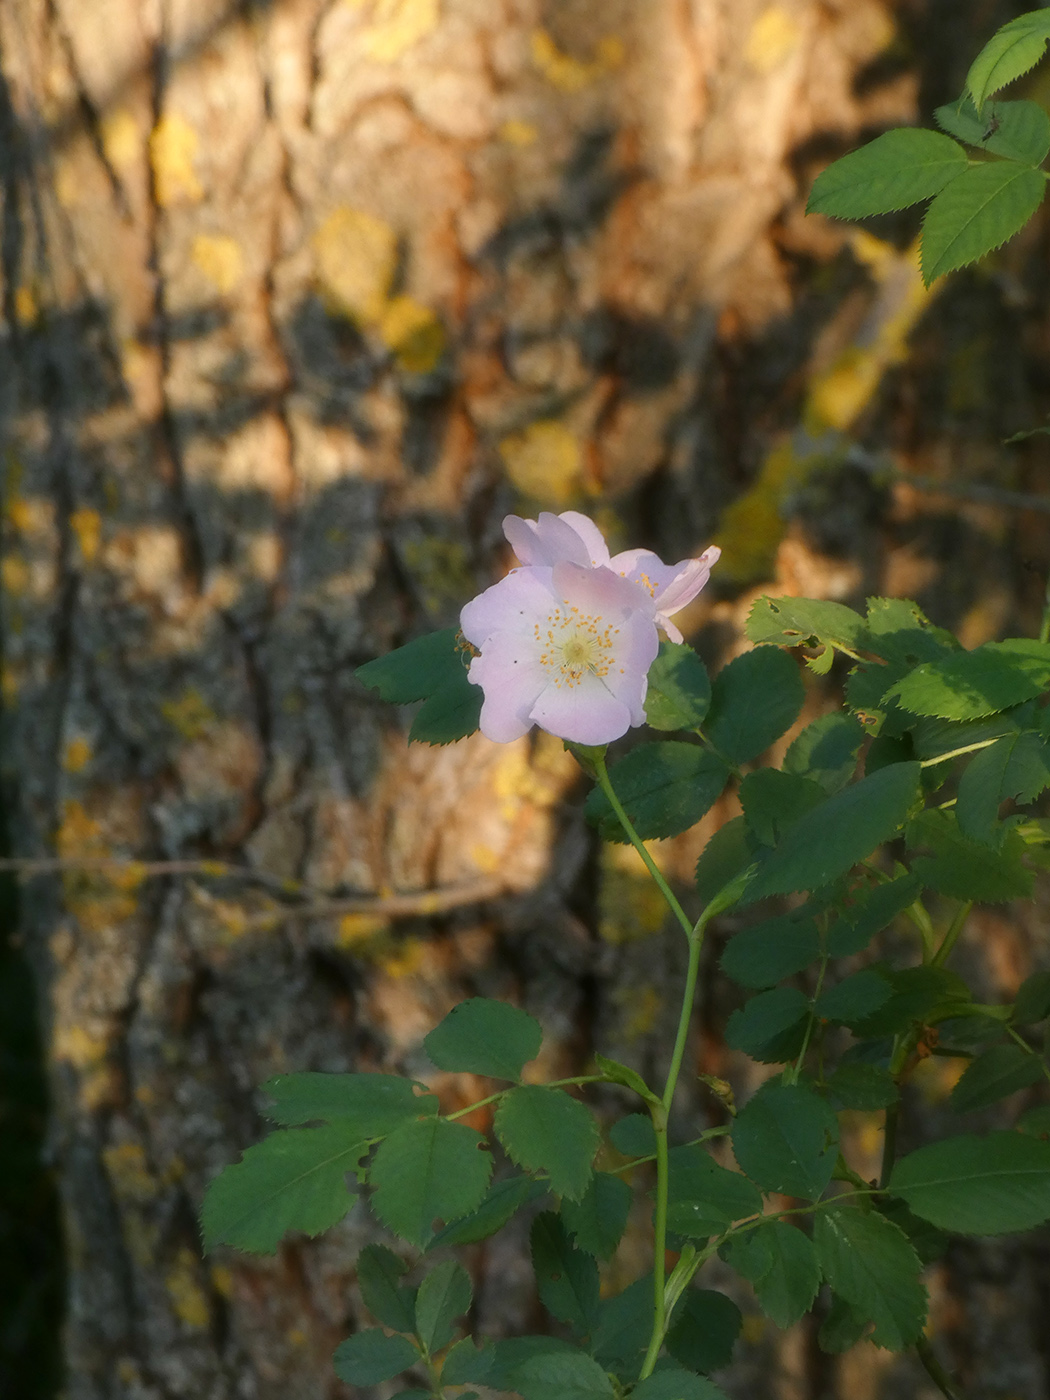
(567, 647)
(566, 641)
(572, 536)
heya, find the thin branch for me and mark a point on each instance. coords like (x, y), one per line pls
(318, 905)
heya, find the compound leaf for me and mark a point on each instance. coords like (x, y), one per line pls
(390, 1302)
(781, 1265)
(597, 1221)
(1000, 1071)
(1012, 51)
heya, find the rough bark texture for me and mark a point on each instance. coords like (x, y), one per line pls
(299, 298)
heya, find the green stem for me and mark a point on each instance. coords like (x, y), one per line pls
(554, 1084)
(957, 753)
(889, 1144)
(936, 1371)
(660, 1113)
(1044, 626)
(955, 928)
(601, 772)
(656, 1339)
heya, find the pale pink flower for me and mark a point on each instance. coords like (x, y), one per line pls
(574, 538)
(566, 646)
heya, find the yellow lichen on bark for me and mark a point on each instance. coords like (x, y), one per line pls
(355, 256)
(570, 74)
(220, 259)
(545, 462)
(173, 144)
(774, 37)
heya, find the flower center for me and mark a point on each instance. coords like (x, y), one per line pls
(574, 644)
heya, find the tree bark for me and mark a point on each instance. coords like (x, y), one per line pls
(299, 299)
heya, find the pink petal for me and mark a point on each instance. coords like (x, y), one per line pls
(545, 541)
(599, 591)
(592, 537)
(512, 605)
(512, 678)
(587, 713)
(689, 578)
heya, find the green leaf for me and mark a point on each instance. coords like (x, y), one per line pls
(634, 1135)
(617, 1073)
(967, 869)
(1032, 1003)
(567, 1278)
(991, 1185)
(679, 690)
(482, 1036)
(770, 951)
(1000, 1071)
(543, 1130)
(444, 1295)
(863, 1087)
(622, 1334)
(294, 1179)
(728, 854)
(673, 1384)
(899, 631)
(428, 1170)
(369, 1357)
(854, 998)
(805, 622)
(843, 830)
(1012, 50)
(379, 1271)
(928, 1242)
(597, 1221)
(786, 1139)
(773, 801)
(754, 700)
(781, 1264)
(510, 1354)
(870, 1263)
(704, 1198)
(918, 992)
(665, 788)
(1015, 766)
(433, 669)
(771, 1026)
(1017, 130)
(826, 751)
(971, 684)
(562, 1376)
(872, 912)
(703, 1330)
(895, 170)
(372, 1105)
(466, 1364)
(1035, 1121)
(842, 1328)
(502, 1201)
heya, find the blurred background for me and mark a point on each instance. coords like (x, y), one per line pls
(299, 298)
